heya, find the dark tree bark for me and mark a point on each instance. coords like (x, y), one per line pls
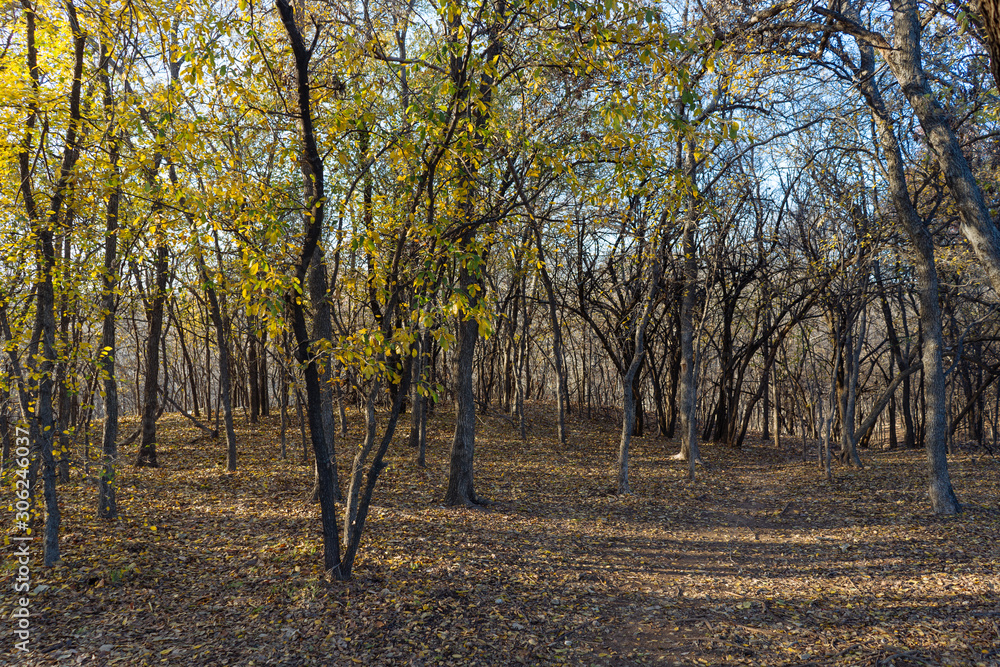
(322, 331)
(220, 324)
(262, 377)
(311, 164)
(63, 367)
(154, 320)
(417, 411)
(191, 374)
(425, 351)
(107, 504)
(562, 393)
(359, 500)
(43, 223)
(900, 361)
(253, 371)
(461, 487)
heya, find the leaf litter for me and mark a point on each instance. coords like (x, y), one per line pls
(759, 562)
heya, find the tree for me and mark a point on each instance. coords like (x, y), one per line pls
(43, 223)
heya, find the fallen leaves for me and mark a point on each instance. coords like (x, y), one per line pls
(759, 562)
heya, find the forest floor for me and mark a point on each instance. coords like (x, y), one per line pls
(760, 561)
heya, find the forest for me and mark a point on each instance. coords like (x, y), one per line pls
(500, 332)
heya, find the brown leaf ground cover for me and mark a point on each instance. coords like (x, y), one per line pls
(758, 562)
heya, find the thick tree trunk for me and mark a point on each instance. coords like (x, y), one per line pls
(45, 327)
(942, 495)
(461, 486)
(62, 371)
(904, 60)
(322, 331)
(476, 106)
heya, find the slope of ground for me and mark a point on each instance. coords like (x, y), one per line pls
(758, 562)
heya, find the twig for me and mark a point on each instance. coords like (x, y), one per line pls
(213, 433)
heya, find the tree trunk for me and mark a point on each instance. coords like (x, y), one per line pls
(150, 395)
(977, 225)
(262, 378)
(424, 403)
(42, 365)
(107, 505)
(417, 411)
(253, 371)
(942, 495)
(311, 164)
(776, 409)
(848, 399)
(322, 331)
(653, 276)
(688, 381)
(461, 487)
(901, 362)
(359, 501)
(562, 394)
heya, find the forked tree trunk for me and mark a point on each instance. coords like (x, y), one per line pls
(43, 223)
(942, 495)
(649, 301)
(311, 164)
